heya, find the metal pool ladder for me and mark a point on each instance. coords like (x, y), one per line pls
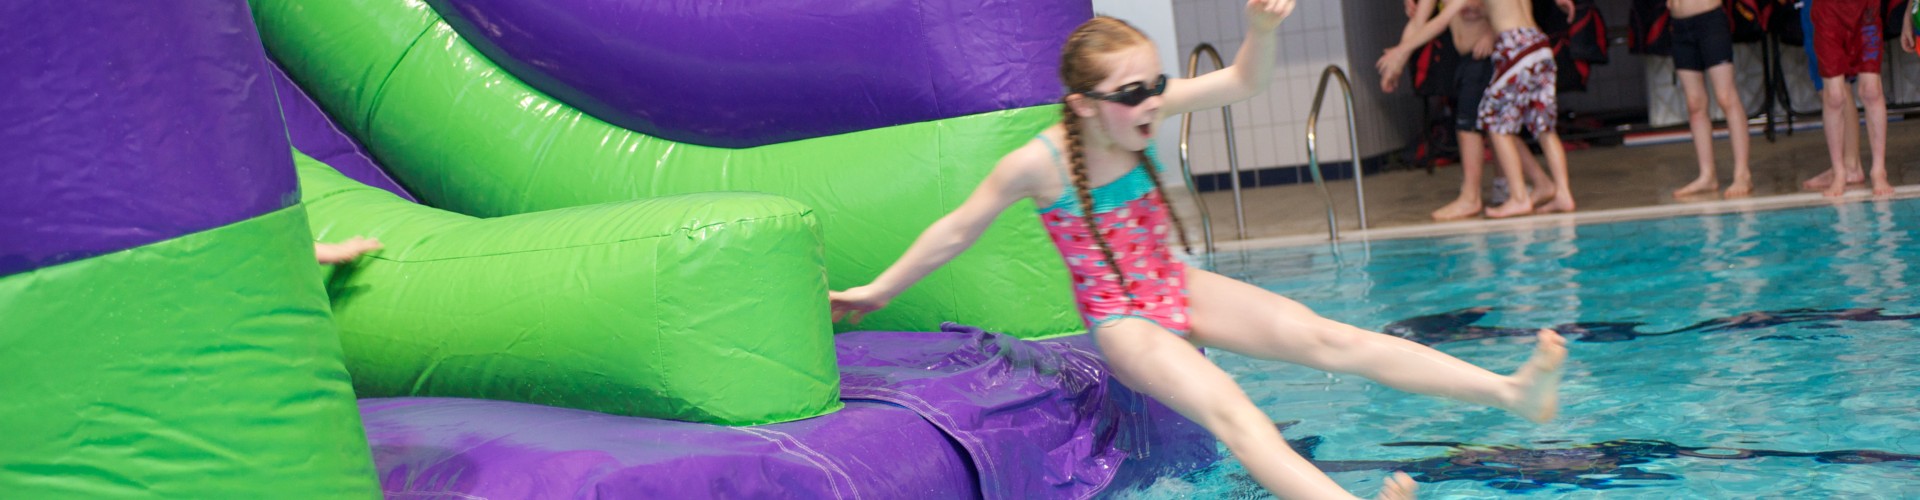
(1313, 156)
(1233, 158)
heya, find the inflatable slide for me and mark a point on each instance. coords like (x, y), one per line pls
(609, 229)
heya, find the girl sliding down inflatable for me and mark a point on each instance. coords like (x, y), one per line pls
(1095, 180)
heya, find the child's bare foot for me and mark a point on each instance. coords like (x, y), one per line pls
(1543, 194)
(1742, 187)
(1825, 180)
(1835, 190)
(1701, 185)
(1399, 487)
(1461, 208)
(1880, 185)
(1537, 383)
(1563, 203)
(1513, 207)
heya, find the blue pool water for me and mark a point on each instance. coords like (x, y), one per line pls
(1744, 355)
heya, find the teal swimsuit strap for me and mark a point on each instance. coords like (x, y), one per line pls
(1060, 167)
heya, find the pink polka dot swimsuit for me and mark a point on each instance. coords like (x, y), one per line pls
(1133, 219)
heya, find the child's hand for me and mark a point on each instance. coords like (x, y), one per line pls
(1906, 33)
(1483, 48)
(1265, 15)
(855, 303)
(335, 253)
(1390, 65)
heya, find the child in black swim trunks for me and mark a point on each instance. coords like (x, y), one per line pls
(1703, 49)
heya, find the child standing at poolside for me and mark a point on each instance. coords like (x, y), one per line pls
(1522, 96)
(1473, 38)
(1097, 186)
(1703, 48)
(1846, 41)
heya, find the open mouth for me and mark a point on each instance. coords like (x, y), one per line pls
(1146, 129)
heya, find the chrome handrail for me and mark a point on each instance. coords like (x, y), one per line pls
(1233, 158)
(1353, 141)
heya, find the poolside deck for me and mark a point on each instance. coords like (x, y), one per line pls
(1610, 183)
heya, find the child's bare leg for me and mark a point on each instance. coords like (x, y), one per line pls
(1537, 178)
(1833, 99)
(1246, 319)
(1854, 175)
(1506, 150)
(1472, 160)
(1700, 122)
(1557, 162)
(1873, 96)
(1850, 156)
(1737, 133)
(1152, 360)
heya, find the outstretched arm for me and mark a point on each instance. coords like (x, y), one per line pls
(1417, 16)
(1251, 70)
(1394, 60)
(1011, 180)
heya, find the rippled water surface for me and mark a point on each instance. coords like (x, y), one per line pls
(1766, 354)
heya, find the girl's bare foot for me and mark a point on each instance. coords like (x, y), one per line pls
(1461, 208)
(1514, 206)
(1701, 185)
(1741, 188)
(1880, 185)
(1536, 385)
(1399, 487)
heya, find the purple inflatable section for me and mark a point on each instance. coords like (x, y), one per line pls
(128, 123)
(316, 135)
(742, 74)
(953, 414)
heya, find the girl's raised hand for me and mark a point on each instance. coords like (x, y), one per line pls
(1265, 15)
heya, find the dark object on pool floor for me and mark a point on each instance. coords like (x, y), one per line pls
(1457, 325)
(1595, 466)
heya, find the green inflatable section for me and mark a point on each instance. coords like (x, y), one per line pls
(204, 366)
(466, 136)
(707, 308)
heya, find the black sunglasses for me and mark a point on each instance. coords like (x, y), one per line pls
(1132, 94)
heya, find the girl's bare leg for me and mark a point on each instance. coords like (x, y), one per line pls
(1246, 319)
(1155, 362)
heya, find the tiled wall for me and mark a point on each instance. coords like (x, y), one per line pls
(1270, 128)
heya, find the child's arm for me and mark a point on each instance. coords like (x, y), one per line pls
(335, 253)
(1011, 180)
(1251, 70)
(1417, 14)
(1394, 60)
(1906, 26)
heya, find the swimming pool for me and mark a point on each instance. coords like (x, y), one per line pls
(1743, 355)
